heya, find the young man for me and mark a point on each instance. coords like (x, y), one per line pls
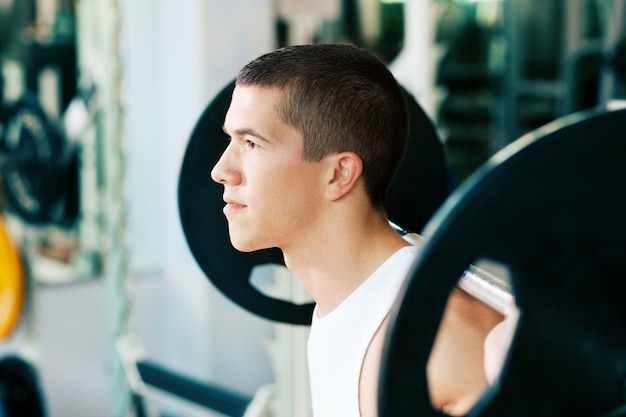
(316, 135)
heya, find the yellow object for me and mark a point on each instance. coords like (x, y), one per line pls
(12, 285)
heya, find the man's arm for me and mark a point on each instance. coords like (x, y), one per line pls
(456, 372)
(368, 381)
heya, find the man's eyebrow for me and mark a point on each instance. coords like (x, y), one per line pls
(245, 131)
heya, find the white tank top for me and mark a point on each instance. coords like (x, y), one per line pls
(338, 341)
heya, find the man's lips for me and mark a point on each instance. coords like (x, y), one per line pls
(232, 205)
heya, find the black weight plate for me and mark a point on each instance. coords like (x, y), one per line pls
(417, 191)
(30, 190)
(30, 137)
(551, 207)
(20, 393)
(37, 166)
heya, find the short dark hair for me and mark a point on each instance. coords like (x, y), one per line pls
(340, 98)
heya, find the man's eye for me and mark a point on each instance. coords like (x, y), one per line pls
(251, 145)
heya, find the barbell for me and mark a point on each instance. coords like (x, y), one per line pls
(551, 207)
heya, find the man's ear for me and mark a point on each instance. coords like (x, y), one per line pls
(347, 168)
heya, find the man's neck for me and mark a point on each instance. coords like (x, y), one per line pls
(339, 261)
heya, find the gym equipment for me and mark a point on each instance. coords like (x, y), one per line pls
(148, 379)
(491, 290)
(39, 165)
(550, 207)
(12, 285)
(20, 393)
(417, 191)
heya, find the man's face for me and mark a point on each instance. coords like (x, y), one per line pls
(271, 193)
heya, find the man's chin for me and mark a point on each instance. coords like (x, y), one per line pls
(245, 247)
(246, 242)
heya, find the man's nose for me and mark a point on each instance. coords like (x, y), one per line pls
(225, 171)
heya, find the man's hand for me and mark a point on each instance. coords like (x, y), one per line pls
(498, 341)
